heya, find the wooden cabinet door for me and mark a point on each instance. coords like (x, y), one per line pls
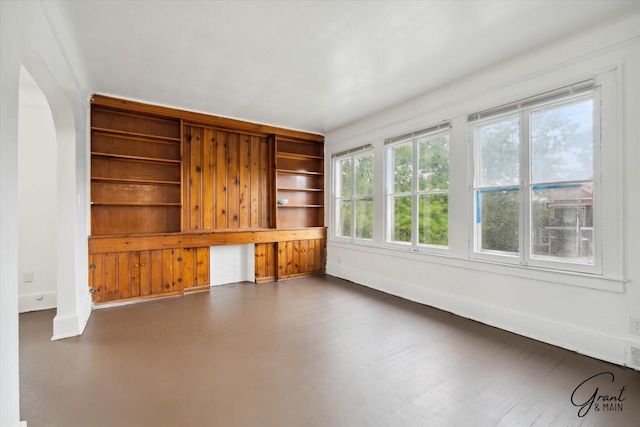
(301, 258)
(191, 269)
(120, 276)
(265, 262)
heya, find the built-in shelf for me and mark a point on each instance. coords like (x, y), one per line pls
(294, 172)
(136, 181)
(298, 156)
(135, 204)
(300, 189)
(166, 185)
(140, 158)
(299, 179)
(142, 137)
(135, 134)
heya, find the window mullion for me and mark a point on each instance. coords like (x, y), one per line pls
(414, 197)
(353, 199)
(525, 192)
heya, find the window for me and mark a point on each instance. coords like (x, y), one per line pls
(353, 190)
(418, 189)
(534, 182)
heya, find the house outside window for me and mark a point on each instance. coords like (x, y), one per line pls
(534, 182)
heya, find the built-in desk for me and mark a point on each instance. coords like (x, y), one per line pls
(102, 244)
(123, 268)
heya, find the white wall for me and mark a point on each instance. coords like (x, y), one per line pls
(232, 264)
(27, 39)
(37, 199)
(43, 58)
(9, 73)
(582, 313)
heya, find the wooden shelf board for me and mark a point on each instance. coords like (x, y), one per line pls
(313, 142)
(300, 206)
(138, 181)
(135, 204)
(140, 158)
(319, 190)
(135, 134)
(138, 137)
(289, 155)
(292, 172)
(146, 241)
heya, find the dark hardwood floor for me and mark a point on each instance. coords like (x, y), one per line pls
(315, 351)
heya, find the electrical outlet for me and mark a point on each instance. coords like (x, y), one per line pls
(634, 325)
(27, 277)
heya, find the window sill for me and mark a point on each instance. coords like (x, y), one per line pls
(583, 280)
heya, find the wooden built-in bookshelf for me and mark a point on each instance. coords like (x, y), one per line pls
(299, 183)
(162, 177)
(135, 173)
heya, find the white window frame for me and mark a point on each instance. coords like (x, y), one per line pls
(412, 139)
(336, 205)
(606, 212)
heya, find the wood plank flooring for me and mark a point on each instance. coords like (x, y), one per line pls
(315, 351)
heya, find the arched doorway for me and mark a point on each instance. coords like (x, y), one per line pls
(73, 300)
(37, 199)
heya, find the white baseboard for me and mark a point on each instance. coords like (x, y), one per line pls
(581, 341)
(37, 301)
(73, 325)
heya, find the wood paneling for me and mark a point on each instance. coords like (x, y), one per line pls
(221, 182)
(119, 276)
(265, 262)
(300, 258)
(104, 142)
(226, 182)
(136, 124)
(125, 193)
(132, 170)
(202, 273)
(127, 219)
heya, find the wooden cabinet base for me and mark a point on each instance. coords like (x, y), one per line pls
(124, 276)
(290, 259)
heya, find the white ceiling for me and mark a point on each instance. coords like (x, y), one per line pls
(309, 65)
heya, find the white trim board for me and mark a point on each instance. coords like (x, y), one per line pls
(37, 301)
(71, 326)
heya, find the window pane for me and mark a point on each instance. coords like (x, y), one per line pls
(562, 222)
(343, 218)
(402, 168)
(433, 219)
(499, 153)
(364, 175)
(562, 143)
(344, 178)
(401, 223)
(364, 218)
(498, 217)
(433, 163)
